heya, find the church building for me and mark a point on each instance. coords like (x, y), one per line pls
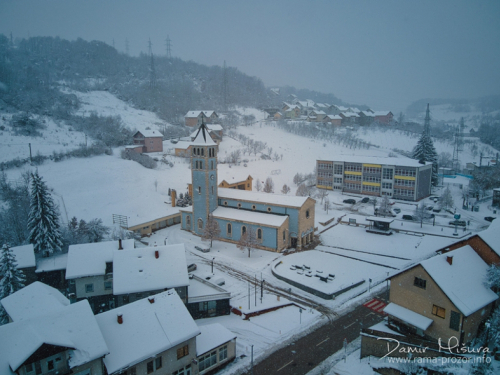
(279, 221)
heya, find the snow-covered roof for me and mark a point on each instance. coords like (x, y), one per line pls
(202, 138)
(55, 262)
(367, 113)
(261, 218)
(25, 256)
(138, 270)
(214, 127)
(380, 219)
(136, 219)
(147, 329)
(381, 113)
(408, 316)
(197, 113)
(73, 326)
(150, 133)
(212, 336)
(349, 114)
(401, 162)
(90, 259)
(204, 290)
(271, 199)
(492, 236)
(35, 299)
(334, 117)
(462, 281)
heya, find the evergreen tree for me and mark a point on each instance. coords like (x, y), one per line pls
(424, 151)
(43, 220)
(11, 279)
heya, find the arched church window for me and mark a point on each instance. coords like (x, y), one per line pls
(259, 234)
(243, 230)
(200, 224)
(229, 229)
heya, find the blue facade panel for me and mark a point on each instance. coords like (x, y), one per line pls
(269, 235)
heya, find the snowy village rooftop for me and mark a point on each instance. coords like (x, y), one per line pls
(149, 268)
(491, 236)
(147, 328)
(249, 216)
(462, 280)
(212, 336)
(25, 256)
(402, 161)
(150, 133)
(73, 326)
(274, 199)
(408, 316)
(90, 259)
(55, 262)
(197, 113)
(32, 299)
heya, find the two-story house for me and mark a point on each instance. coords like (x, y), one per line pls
(48, 335)
(150, 140)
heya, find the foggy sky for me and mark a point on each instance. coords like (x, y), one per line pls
(385, 54)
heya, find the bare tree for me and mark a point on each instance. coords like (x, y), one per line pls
(258, 185)
(211, 231)
(302, 190)
(298, 179)
(286, 189)
(268, 185)
(322, 194)
(248, 241)
(446, 201)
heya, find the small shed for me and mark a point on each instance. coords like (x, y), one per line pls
(379, 225)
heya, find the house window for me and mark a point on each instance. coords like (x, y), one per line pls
(89, 288)
(418, 282)
(50, 365)
(182, 352)
(207, 361)
(243, 230)
(132, 371)
(284, 235)
(200, 224)
(202, 152)
(438, 311)
(229, 229)
(307, 214)
(108, 285)
(158, 363)
(150, 367)
(223, 353)
(259, 234)
(455, 321)
(28, 367)
(183, 371)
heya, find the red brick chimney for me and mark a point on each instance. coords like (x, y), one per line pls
(119, 318)
(151, 299)
(449, 260)
(157, 254)
(120, 247)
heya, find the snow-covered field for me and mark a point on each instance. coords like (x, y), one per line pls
(101, 186)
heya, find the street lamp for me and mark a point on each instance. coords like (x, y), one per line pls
(213, 265)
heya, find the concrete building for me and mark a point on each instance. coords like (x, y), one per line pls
(398, 178)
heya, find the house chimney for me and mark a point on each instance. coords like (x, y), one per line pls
(449, 260)
(151, 299)
(119, 318)
(157, 254)
(120, 247)
(173, 197)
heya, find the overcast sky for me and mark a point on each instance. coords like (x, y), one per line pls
(385, 54)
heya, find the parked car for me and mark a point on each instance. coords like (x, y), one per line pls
(436, 209)
(429, 208)
(489, 218)
(408, 217)
(397, 210)
(460, 223)
(203, 250)
(349, 201)
(365, 200)
(192, 267)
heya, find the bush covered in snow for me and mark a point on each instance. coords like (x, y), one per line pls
(142, 159)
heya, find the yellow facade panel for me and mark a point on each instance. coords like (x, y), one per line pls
(325, 187)
(372, 165)
(354, 173)
(404, 178)
(371, 183)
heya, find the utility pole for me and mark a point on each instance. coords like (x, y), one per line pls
(168, 45)
(152, 71)
(255, 290)
(224, 86)
(29, 144)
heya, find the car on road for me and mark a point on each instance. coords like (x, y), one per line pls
(460, 223)
(489, 218)
(408, 217)
(397, 210)
(192, 267)
(349, 201)
(365, 200)
(203, 250)
(436, 209)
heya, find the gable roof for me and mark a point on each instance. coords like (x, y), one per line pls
(73, 326)
(211, 337)
(147, 329)
(208, 113)
(258, 218)
(33, 299)
(492, 236)
(90, 259)
(25, 256)
(138, 270)
(150, 133)
(462, 281)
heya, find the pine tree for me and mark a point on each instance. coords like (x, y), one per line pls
(43, 220)
(11, 279)
(268, 185)
(424, 151)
